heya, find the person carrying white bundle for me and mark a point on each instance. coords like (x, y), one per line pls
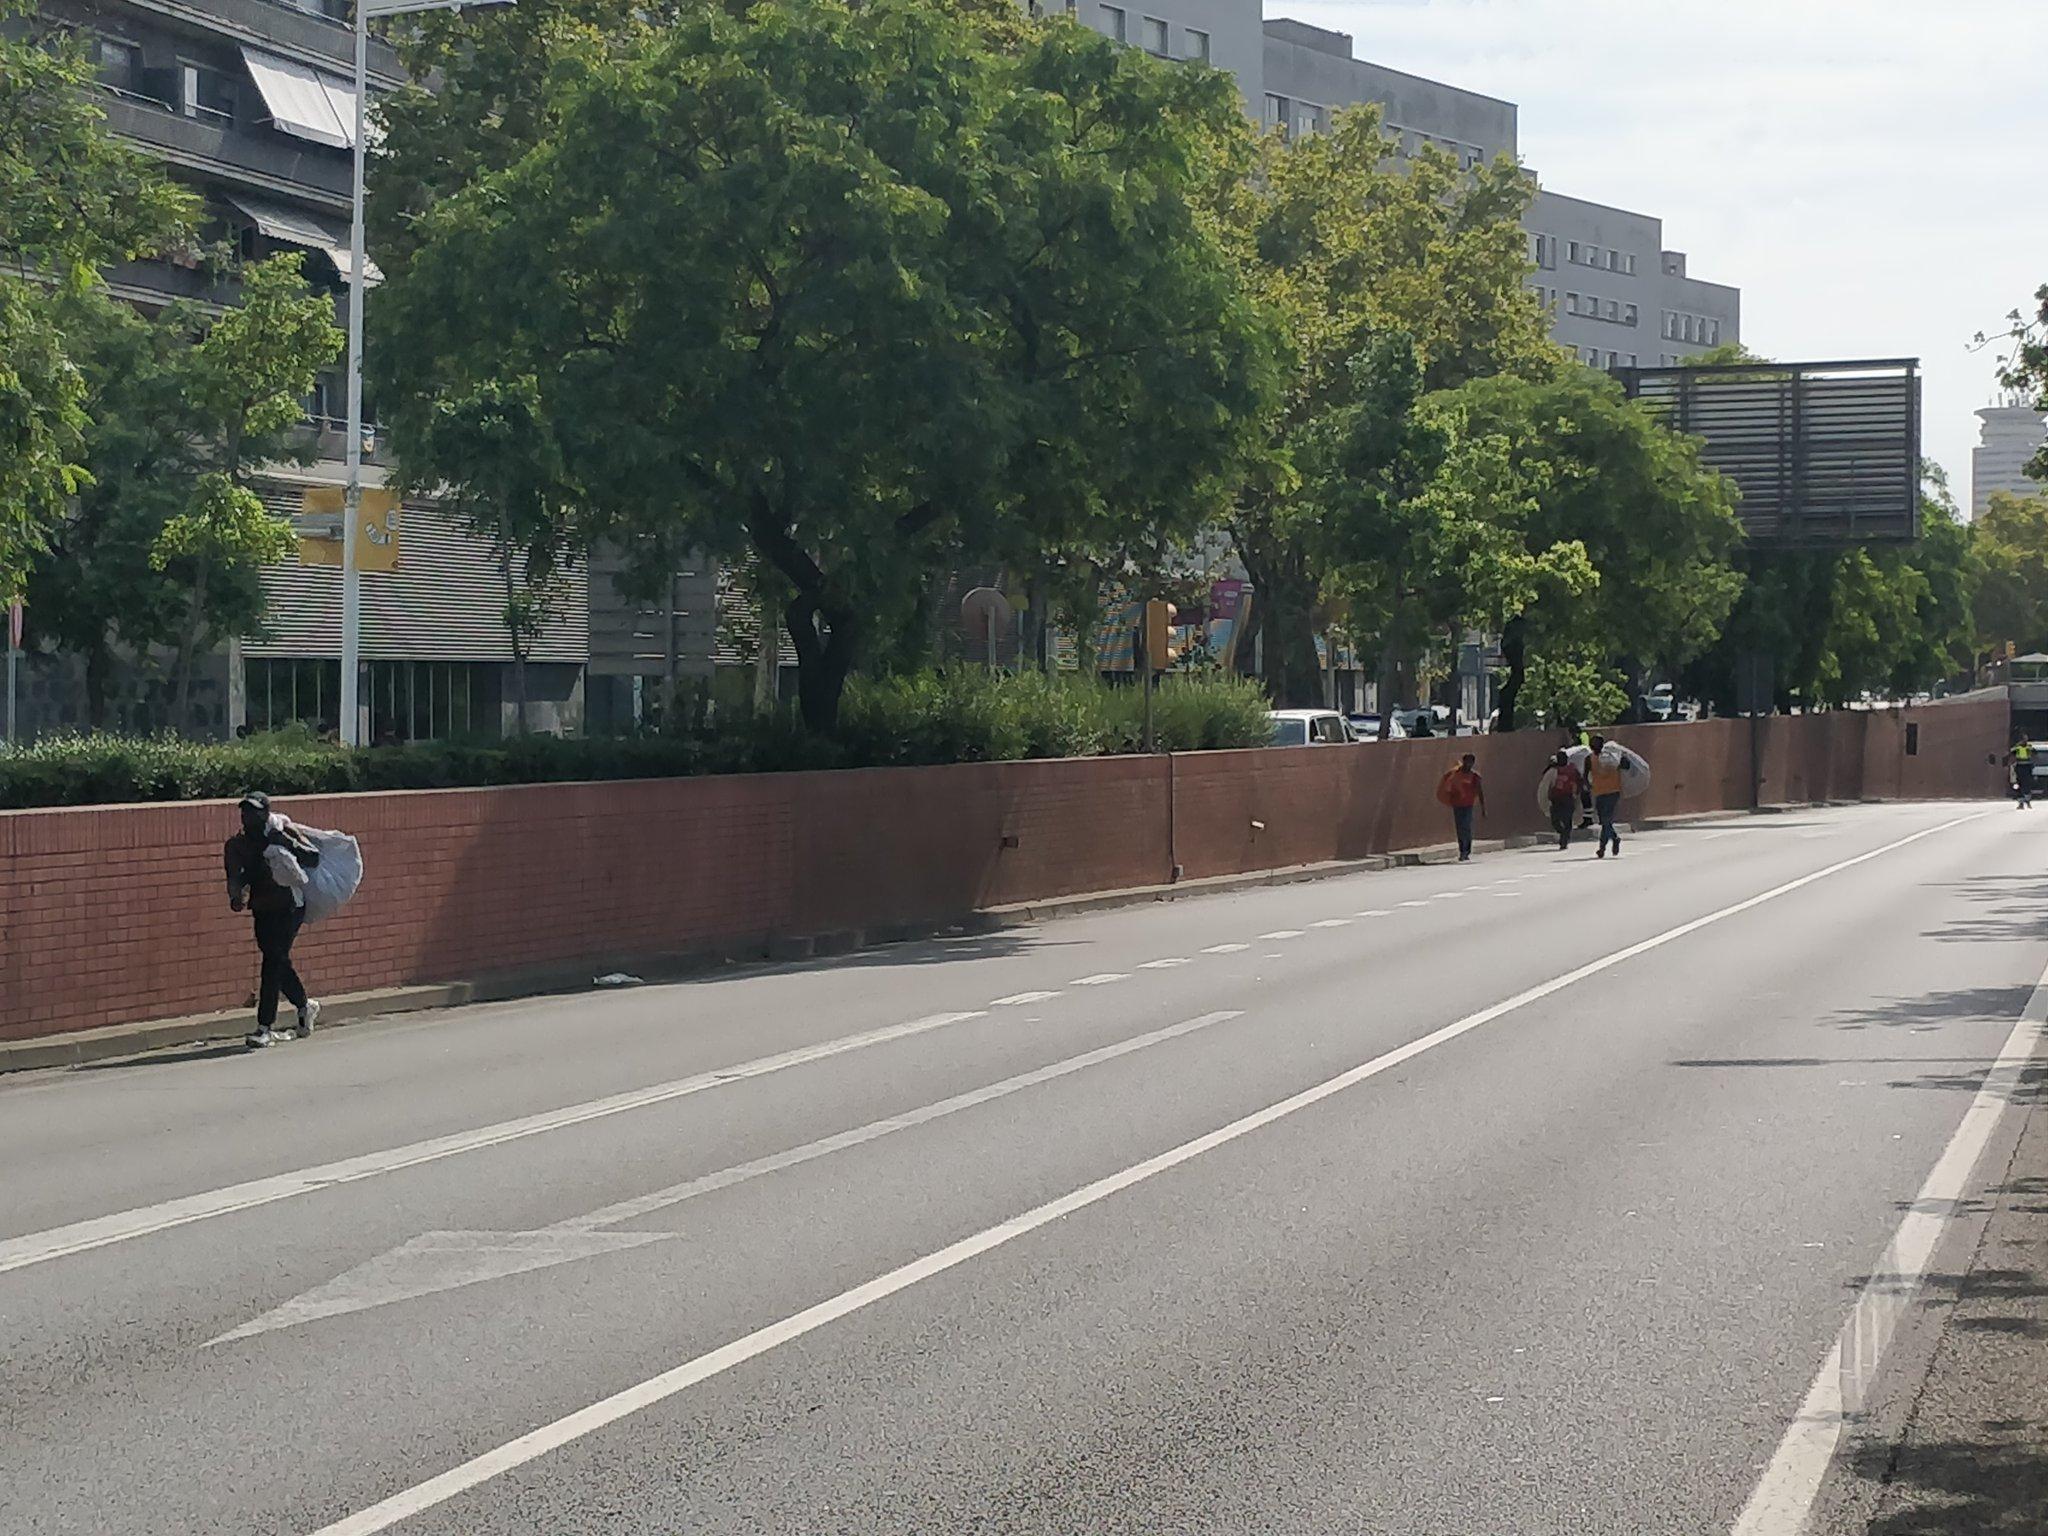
(286, 875)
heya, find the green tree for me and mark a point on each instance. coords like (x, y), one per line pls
(2011, 547)
(1346, 244)
(2026, 366)
(865, 291)
(1888, 620)
(1657, 526)
(162, 548)
(73, 198)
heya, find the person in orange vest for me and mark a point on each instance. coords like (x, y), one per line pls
(1462, 789)
(1603, 776)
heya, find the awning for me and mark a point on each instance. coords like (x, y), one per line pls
(294, 226)
(301, 100)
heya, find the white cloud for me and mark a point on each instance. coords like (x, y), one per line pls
(1869, 172)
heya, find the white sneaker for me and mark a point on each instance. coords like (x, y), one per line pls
(308, 1017)
(256, 1039)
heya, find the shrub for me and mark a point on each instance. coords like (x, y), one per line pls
(956, 715)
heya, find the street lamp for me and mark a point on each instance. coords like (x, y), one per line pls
(352, 503)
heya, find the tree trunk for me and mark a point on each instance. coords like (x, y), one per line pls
(1283, 604)
(826, 641)
(1036, 637)
(188, 649)
(767, 650)
(519, 687)
(1514, 645)
(98, 661)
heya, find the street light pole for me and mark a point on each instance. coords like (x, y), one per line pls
(352, 497)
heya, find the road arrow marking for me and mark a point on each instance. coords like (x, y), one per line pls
(441, 1261)
(446, 1261)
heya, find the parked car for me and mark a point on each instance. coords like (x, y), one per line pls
(1309, 728)
(1366, 727)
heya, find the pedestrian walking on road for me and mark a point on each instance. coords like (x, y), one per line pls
(266, 864)
(1462, 790)
(1603, 776)
(2022, 759)
(1579, 736)
(1563, 784)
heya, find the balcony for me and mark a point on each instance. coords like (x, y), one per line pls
(254, 156)
(319, 28)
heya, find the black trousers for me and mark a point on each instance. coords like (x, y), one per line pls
(274, 934)
(1461, 817)
(1603, 807)
(1563, 813)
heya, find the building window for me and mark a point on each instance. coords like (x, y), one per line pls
(284, 691)
(1629, 264)
(1197, 45)
(1114, 23)
(429, 701)
(206, 93)
(1631, 359)
(1614, 359)
(1155, 37)
(1572, 251)
(1715, 339)
(1630, 315)
(1279, 114)
(1308, 118)
(1571, 303)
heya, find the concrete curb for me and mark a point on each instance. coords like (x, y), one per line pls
(118, 1040)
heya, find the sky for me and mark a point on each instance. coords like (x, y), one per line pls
(1873, 174)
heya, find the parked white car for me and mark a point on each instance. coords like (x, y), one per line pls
(1366, 727)
(1309, 728)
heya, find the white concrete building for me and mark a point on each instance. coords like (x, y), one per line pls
(1618, 298)
(2011, 434)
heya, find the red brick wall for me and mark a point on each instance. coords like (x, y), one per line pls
(119, 913)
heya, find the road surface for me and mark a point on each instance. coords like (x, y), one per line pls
(1525, 1196)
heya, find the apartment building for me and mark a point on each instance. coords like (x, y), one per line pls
(252, 104)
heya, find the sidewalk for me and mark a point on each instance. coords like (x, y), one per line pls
(1973, 1458)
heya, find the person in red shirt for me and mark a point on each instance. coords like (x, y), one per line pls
(1462, 789)
(1566, 784)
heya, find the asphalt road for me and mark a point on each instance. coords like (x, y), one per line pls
(1525, 1196)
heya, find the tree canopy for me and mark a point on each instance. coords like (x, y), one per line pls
(72, 198)
(860, 290)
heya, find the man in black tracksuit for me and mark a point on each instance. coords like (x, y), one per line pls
(266, 864)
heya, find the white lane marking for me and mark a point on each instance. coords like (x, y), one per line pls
(446, 1261)
(1446, 895)
(1164, 965)
(1100, 979)
(1226, 949)
(1373, 912)
(1784, 1497)
(1505, 895)
(1414, 903)
(1282, 933)
(550, 1437)
(1332, 922)
(1017, 998)
(80, 1236)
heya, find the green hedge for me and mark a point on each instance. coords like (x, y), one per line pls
(955, 716)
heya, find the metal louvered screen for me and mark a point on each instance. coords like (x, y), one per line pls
(1824, 453)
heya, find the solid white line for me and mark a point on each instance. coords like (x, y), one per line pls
(78, 1237)
(1446, 895)
(1226, 949)
(1015, 998)
(1282, 933)
(1164, 965)
(1414, 903)
(1332, 922)
(1100, 979)
(1373, 912)
(549, 1437)
(1784, 1497)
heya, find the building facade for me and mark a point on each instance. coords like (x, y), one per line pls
(2010, 435)
(251, 103)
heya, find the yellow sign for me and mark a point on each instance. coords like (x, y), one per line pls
(376, 537)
